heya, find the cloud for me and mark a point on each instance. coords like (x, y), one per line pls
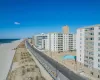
(17, 23)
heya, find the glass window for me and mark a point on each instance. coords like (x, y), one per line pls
(86, 38)
(91, 38)
(98, 65)
(98, 38)
(98, 44)
(91, 28)
(99, 55)
(98, 60)
(99, 33)
(98, 49)
(91, 33)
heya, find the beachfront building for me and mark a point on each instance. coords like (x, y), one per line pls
(80, 37)
(88, 49)
(39, 39)
(59, 42)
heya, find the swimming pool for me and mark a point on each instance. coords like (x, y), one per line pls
(69, 57)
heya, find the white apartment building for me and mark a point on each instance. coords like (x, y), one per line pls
(59, 42)
(88, 48)
(39, 39)
(80, 37)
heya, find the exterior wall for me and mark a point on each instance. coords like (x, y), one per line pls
(65, 42)
(38, 40)
(70, 42)
(80, 45)
(89, 49)
(59, 42)
(97, 47)
(43, 43)
(48, 43)
(74, 41)
(92, 47)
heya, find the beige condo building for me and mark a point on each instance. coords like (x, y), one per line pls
(65, 29)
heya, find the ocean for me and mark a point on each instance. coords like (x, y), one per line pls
(7, 40)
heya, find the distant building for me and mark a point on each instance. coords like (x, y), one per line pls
(38, 40)
(59, 42)
(88, 49)
(65, 29)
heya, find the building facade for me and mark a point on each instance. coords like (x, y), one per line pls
(88, 48)
(80, 37)
(59, 42)
(38, 40)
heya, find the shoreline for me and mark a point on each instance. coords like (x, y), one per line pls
(6, 56)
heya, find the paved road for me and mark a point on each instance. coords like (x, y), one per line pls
(56, 70)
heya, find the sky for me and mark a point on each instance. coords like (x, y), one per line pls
(25, 18)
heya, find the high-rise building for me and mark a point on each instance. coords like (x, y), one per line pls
(38, 40)
(88, 48)
(59, 42)
(80, 37)
(65, 30)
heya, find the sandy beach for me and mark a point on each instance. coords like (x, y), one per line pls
(6, 56)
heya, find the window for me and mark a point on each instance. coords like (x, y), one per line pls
(85, 65)
(86, 56)
(98, 55)
(98, 44)
(99, 65)
(98, 76)
(98, 38)
(91, 33)
(91, 28)
(92, 73)
(86, 38)
(99, 27)
(98, 49)
(98, 60)
(99, 33)
(91, 38)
